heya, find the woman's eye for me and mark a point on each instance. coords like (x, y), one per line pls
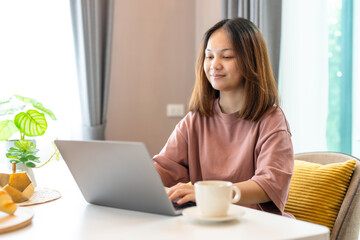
(228, 57)
(208, 57)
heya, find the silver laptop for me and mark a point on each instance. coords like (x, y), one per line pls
(117, 174)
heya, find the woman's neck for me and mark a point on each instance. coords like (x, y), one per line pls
(231, 102)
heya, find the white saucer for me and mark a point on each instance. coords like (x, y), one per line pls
(194, 214)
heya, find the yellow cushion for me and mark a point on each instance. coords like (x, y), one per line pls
(317, 191)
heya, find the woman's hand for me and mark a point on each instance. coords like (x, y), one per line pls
(185, 192)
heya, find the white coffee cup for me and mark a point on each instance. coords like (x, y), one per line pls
(213, 198)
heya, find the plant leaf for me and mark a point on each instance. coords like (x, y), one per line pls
(23, 159)
(23, 145)
(33, 151)
(30, 164)
(7, 129)
(11, 156)
(31, 157)
(36, 160)
(37, 105)
(32, 123)
(10, 107)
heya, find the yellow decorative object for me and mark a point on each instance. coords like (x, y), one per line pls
(6, 203)
(17, 185)
(317, 191)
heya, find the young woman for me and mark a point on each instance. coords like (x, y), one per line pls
(235, 130)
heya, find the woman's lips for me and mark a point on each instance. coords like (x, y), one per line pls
(218, 76)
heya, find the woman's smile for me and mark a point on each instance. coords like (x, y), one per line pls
(217, 76)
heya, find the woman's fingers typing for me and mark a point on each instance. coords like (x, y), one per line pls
(182, 191)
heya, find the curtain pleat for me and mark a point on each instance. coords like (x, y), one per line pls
(92, 22)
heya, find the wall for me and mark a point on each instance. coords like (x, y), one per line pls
(154, 50)
(207, 13)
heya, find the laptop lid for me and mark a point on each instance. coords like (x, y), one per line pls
(116, 174)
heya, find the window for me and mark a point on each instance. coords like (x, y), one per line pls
(318, 84)
(37, 60)
(339, 120)
(356, 80)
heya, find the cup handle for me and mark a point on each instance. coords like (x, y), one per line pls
(237, 196)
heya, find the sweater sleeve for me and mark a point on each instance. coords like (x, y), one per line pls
(172, 161)
(274, 163)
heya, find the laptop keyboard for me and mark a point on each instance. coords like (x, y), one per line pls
(182, 206)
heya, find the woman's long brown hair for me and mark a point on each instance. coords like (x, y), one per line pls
(260, 91)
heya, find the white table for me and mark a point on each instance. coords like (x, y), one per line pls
(70, 217)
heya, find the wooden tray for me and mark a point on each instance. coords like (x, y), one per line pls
(21, 218)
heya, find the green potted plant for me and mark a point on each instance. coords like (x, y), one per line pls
(28, 122)
(23, 152)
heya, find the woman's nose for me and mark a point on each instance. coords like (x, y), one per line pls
(216, 64)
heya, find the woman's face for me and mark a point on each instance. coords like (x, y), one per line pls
(220, 64)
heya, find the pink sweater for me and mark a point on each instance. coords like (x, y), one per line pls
(223, 147)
